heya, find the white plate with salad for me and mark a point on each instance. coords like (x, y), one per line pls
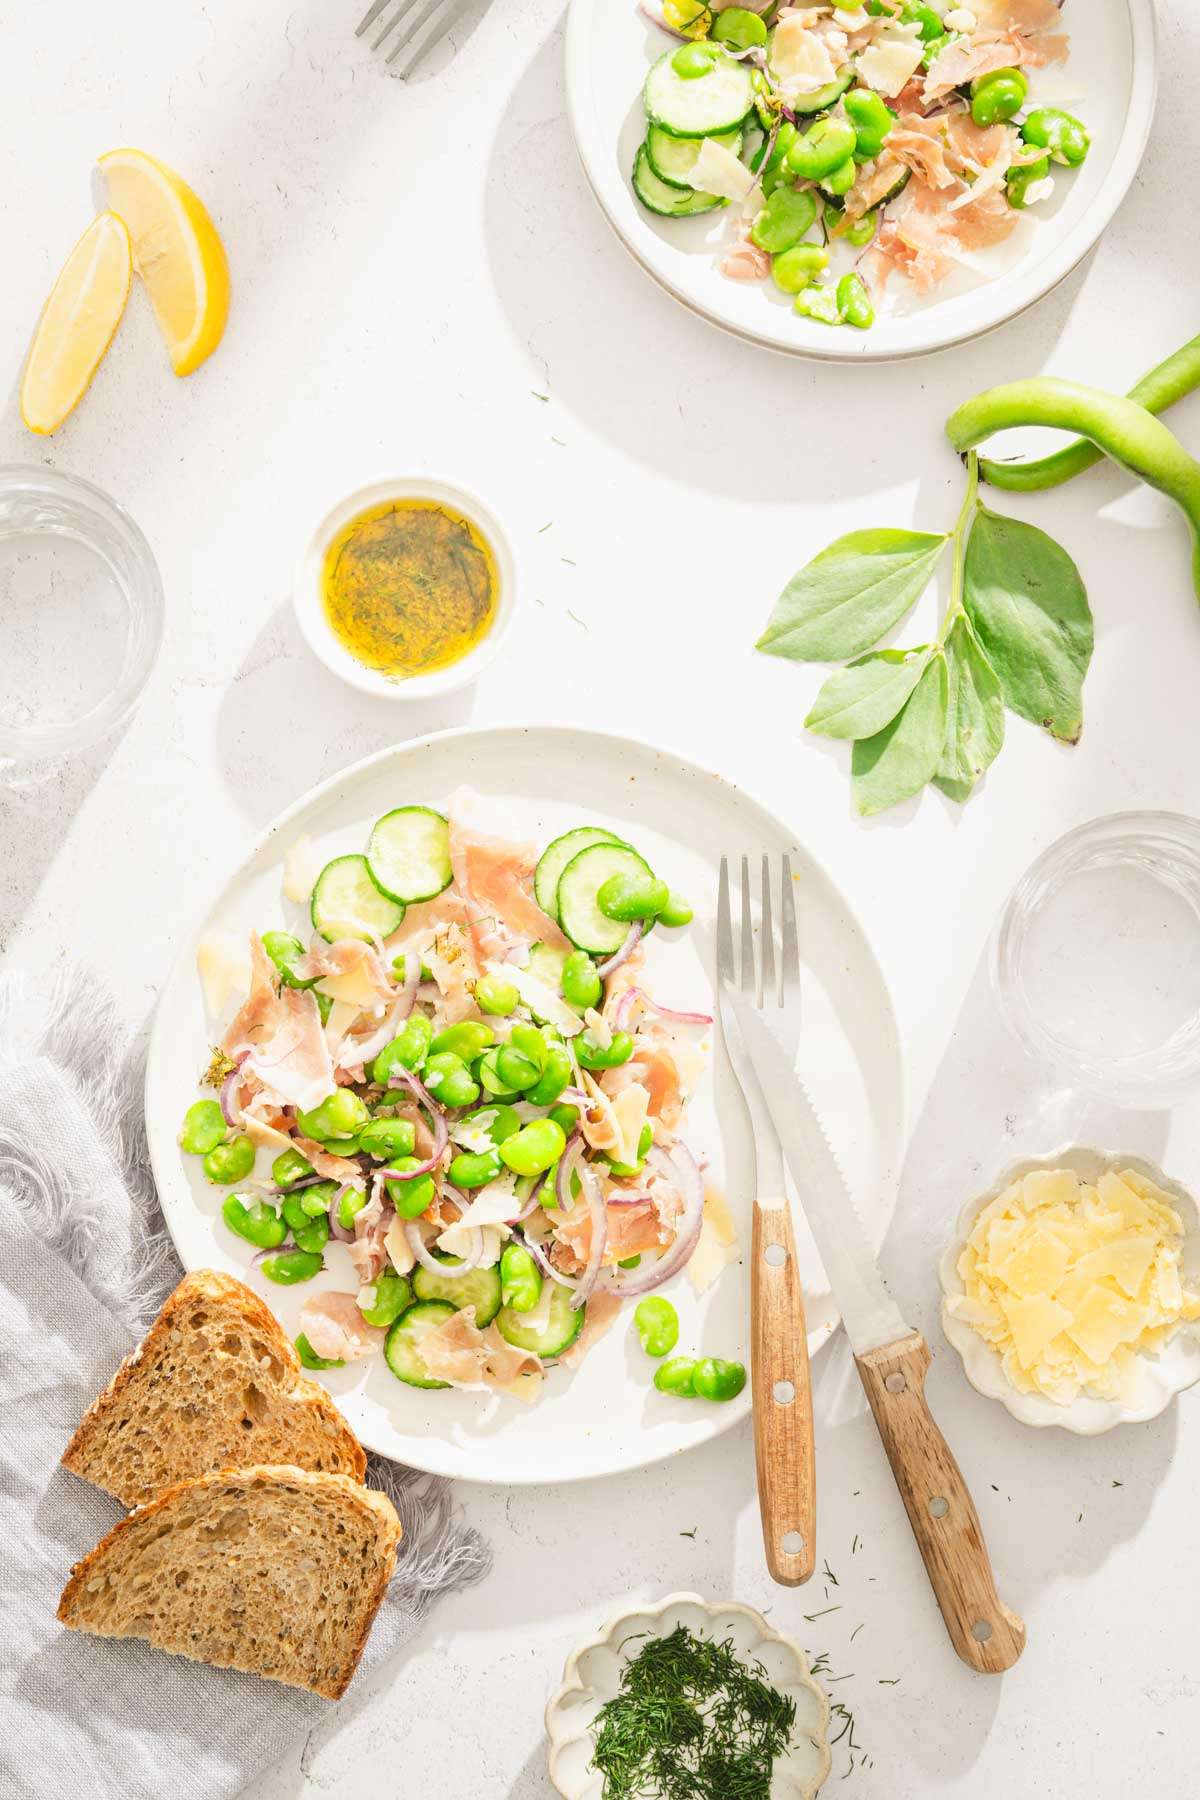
(866, 182)
(435, 1075)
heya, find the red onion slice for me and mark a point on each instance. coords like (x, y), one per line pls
(685, 1171)
(599, 1217)
(416, 1244)
(408, 987)
(336, 1228)
(633, 938)
(401, 1077)
(545, 1265)
(626, 1003)
(566, 1168)
(229, 1112)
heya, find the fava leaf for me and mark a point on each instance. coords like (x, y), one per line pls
(846, 598)
(858, 701)
(974, 714)
(1029, 607)
(898, 761)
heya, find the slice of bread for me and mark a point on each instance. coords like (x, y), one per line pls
(277, 1571)
(216, 1384)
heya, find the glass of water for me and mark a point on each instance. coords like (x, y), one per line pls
(1096, 957)
(81, 614)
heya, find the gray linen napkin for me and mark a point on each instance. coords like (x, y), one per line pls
(84, 1266)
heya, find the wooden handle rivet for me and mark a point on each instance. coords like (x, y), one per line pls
(981, 1630)
(895, 1383)
(776, 1255)
(784, 1392)
(939, 1506)
(792, 1544)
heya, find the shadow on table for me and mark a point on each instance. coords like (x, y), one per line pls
(663, 384)
(288, 723)
(38, 805)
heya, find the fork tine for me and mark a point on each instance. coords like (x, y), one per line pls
(404, 7)
(767, 937)
(790, 970)
(724, 926)
(426, 12)
(748, 981)
(435, 37)
(369, 17)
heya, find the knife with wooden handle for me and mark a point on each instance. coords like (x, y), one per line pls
(891, 1361)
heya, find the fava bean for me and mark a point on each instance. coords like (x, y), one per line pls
(495, 995)
(1019, 180)
(287, 1267)
(284, 950)
(473, 1169)
(253, 1220)
(627, 897)
(309, 1358)
(352, 1201)
(676, 1377)
(776, 170)
(340, 1115)
(714, 1379)
(818, 302)
(499, 1122)
(226, 1163)
(555, 1076)
(629, 1262)
(410, 1197)
(854, 302)
(860, 233)
(657, 1325)
(676, 912)
(299, 1210)
(783, 221)
(386, 1138)
(408, 1049)
(533, 1149)
(466, 1040)
(795, 268)
(385, 1298)
(580, 983)
(871, 119)
(594, 1055)
(449, 1080)
(203, 1128)
(566, 1117)
(916, 12)
(489, 1076)
(313, 1236)
(1061, 133)
(645, 1139)
(998, 96)
(520, 1279)
(739, 27)
(824, 147)
(691, 61)
(290, 1167)
(841, 179)
(516, 1070)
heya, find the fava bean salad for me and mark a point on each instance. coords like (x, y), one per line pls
(852, 144)
(454, 1089)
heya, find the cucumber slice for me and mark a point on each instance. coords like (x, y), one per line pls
(673, 158)
(669, 202)
(402, 1347)
(821, 99)
(558, 1334)
(903, 176)
(545, 961)
(409, 854)
(347, 903)
(718, 101)
(555, 859)
(480, 1289)
(578, 914)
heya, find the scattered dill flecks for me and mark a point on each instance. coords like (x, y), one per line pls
(692, 1721)
(220, 1067)
(568, 559)
(889, 1681)
(809, 1617)
(854, 1546)
(828, 1573)
(691, 1533)
(1118, 1484)
(578, 620)
(856, 1631)
(545, 527)
(537, 396)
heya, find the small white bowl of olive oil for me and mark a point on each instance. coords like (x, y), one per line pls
(406, 588)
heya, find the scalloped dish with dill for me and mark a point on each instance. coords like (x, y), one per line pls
(1072, 1282)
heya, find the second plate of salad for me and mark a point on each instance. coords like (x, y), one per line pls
(437, 1077)
(863, 182)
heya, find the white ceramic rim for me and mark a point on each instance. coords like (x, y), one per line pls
(310, 614)
(144, 598)
(161, 1135)
(572, 1684)
(1086, 1416)
(978, 312)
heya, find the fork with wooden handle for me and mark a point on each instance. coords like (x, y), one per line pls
(783, 1422)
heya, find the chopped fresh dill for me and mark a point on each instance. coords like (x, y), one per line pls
(691, 1533)
(220, 1067)
(828, 1573)
(692, 1721)
(809, 1617)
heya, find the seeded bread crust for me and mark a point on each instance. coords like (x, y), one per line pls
(276, 1571)
(214, 1384)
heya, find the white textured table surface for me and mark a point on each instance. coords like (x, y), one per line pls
(424, 282)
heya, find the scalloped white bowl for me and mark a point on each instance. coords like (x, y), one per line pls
(593, 1675)
(1159, 1378)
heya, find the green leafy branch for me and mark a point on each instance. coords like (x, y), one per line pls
(1017, 634)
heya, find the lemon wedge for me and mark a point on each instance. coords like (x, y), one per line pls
(77, 324)
(176, 251)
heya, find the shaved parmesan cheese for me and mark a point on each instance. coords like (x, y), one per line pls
(540, 998)
(717, 171)
(400, 1251)
(491, 1205)
(301, 866)
(223, 964)
(355, 988)
(341, 1017)
(800, 61)
(1070, 1283)
(629, 1111)
(891, 62)
(716, 1246)
(459, 1240)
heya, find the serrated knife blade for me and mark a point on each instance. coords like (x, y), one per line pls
(869, 1313)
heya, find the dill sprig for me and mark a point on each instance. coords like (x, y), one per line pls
(691, 1721)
